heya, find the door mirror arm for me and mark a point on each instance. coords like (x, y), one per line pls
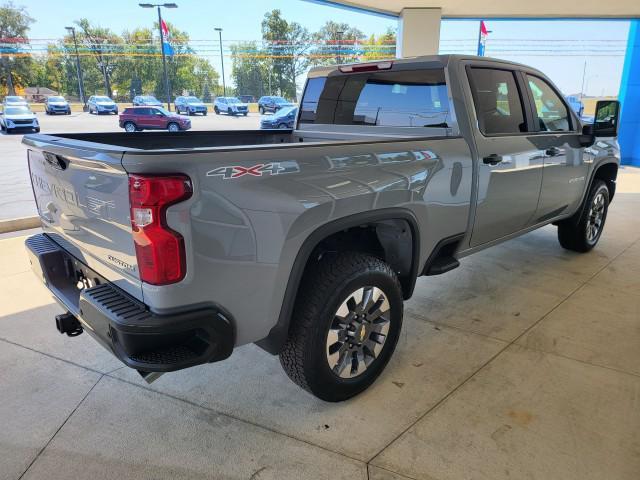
(587, 138)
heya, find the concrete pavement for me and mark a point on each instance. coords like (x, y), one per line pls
(522, 363)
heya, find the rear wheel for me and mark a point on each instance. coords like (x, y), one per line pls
(129, 127)
(581, 232)
(345, 326)
(173, 127)
(261, 110)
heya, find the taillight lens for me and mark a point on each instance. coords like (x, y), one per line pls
(159, 250)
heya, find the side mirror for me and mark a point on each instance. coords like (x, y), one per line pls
(606, 118)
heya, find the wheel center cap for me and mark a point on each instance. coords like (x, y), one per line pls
(361, 333)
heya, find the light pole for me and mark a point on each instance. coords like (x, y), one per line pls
(338, 43)
(164, 59)
(78, 68)
(224, 84)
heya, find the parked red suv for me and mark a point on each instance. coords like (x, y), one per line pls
(136, 119)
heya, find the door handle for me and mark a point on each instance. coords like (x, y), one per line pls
(553, 151)
(492, 159)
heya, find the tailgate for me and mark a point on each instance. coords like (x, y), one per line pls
(82, 198)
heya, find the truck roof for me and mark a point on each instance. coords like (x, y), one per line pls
(425, 61)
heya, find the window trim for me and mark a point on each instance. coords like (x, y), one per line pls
(534, 111)
(525, 106)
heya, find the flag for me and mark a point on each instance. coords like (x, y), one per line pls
(482, 38)
(166, 43)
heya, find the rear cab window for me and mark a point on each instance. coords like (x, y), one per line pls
(407, 98)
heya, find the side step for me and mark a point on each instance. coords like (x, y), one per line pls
(442, 265)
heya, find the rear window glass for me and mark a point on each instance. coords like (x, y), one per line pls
(392, 99)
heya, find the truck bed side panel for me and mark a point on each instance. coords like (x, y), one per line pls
(252, 210)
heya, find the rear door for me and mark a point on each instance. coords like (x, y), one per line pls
(143, 119)
(510, 166)
(82, 198)
(565, 171)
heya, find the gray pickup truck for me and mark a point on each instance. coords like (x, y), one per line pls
(172, 249)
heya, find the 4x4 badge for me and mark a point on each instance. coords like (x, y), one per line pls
(237, 171)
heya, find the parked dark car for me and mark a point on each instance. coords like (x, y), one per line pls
(136, 119)
(190, 105)
(282, 119)
(54, 105)
(146, 101)
(272, 104)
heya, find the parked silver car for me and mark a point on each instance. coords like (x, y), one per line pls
(14, 100)
(101, 104)
(55, 105)
(18, 117)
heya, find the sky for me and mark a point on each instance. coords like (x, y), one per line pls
(559, 48)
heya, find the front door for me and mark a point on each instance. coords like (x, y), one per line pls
(565, 171)
(510, 166)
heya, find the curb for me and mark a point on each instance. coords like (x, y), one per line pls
(16, 224)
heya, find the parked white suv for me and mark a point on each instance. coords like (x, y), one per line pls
(230, 106)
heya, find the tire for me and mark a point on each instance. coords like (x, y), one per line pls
(37, 129)
(229, 112)
(282, 126)
(245, 113)
(204, 114)
(581, 232)
(129, 127)
(261, 110)
(173, 127)
(216, 110)
(46, 112)
(329, 287)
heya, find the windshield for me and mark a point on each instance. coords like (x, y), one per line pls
(279, 100)
(193, 100)
(56, 99)
(283, 112)
(149, 98)
(233, 100)
(17, 111)
(14, 99)
(103, 99)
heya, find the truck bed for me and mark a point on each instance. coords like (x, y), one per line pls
(162, 140)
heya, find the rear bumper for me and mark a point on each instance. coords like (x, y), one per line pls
(140, 338)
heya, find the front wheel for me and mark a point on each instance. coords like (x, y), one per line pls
(345, 326)
(261, 110)
(173, 127)
(581, 232)
(216, 110)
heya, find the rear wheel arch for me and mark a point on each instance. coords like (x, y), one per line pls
(393, 236)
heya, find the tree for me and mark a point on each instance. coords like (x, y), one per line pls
(250, 70)
(16, 65)
(336, 43)
(286, 45)
(380, 47)
(102, 43)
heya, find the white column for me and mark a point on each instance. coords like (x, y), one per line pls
(418, 32)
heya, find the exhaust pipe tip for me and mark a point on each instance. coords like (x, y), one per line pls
(69, 324)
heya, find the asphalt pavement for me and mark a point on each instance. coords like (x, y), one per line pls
(16, 197)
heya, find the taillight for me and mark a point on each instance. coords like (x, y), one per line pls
(159, 250)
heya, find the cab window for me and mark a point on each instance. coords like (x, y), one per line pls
(552, 113)
(497, 101)
(389, 99)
